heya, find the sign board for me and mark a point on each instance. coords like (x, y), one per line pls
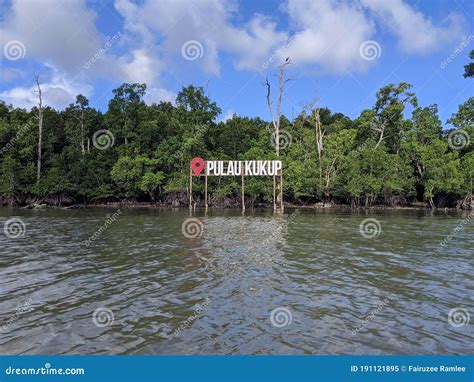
(240, 168)
(236, 167)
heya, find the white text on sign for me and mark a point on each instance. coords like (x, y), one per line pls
(247, 168)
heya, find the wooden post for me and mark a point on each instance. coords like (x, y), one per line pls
(243, 187)
(274, 194)
(281, 190)
(190, 187)
(205, 186)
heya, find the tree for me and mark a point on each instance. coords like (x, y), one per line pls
(75, 114)
(40, 126)
(372, 172)
(151, 182)
(381, 157)
(137, 174)
(469, 68)
(82, 103)
(126, 111)
(197, 107)
(463, 120)
(277, 117)
(467, 168)
(387, 122)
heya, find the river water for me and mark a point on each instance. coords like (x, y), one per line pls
(87, 281)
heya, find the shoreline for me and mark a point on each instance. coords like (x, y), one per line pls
(263, 207)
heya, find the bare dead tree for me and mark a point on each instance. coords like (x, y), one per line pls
(276, 117)
(81, 105)
(40, 126)
(80, 119)
(319, 133)
(380, 129)
(81, 122)
(312, 109)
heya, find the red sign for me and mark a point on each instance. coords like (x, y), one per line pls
(197, 165)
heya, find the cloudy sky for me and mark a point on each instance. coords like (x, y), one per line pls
(341, 51)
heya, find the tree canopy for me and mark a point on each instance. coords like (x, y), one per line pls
(397, 152)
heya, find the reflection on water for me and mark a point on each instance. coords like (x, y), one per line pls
(307, 282)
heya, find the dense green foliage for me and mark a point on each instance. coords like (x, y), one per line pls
(469, 68)
(395, 153)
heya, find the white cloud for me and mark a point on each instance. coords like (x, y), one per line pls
(60, 32)
(10, 74)
(141, 67)
(61, 37)
(255, 44)
(205, 21)
(19, 97)
(156, 95)
(416, 33)
(328, 33)
(228, 115)
(57, 92)
(27, 98)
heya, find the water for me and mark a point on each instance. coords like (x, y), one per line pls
(156, 291)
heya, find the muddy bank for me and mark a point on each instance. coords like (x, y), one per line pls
(180, 200)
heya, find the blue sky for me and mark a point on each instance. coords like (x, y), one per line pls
(342, 52)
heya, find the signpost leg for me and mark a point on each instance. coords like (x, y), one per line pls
(281, 190)
(205, 188)
(190, 189)
(274, 194)
(243, 192)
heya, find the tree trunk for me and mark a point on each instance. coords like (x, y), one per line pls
(432, 205)
(319, 133)
(83, 149)
(319, 145)
(276, 118)
(40, 127)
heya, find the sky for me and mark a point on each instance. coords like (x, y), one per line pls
(341, 52)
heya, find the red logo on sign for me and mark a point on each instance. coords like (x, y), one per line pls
(197, 165)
